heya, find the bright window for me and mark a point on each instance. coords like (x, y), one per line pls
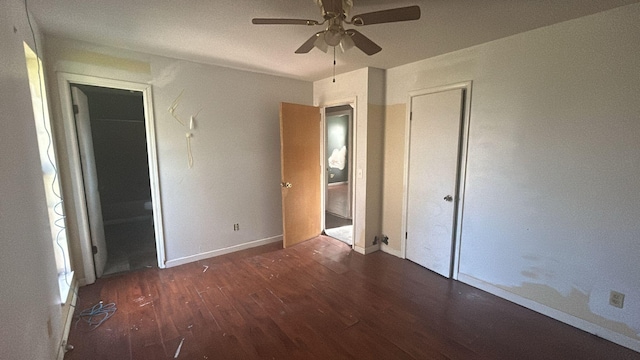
(49, 171)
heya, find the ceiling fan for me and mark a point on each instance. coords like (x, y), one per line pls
(335, 14)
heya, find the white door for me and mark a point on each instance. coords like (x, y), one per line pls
(90, 177)
(433, 171)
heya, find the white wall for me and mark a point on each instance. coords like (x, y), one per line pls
(551, 209)
(30, 312)
(236, 145)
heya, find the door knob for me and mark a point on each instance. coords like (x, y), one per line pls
(448, 198)
(286, 185)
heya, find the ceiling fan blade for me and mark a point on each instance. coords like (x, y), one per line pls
(363, 43)
(309, 44)
(387, 16)
(269, 21)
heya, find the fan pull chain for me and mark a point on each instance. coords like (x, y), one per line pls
(334, 64)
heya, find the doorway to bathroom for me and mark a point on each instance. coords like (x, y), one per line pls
(112, 142)
(339, 175)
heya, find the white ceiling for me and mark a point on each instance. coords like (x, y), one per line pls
(221, 33)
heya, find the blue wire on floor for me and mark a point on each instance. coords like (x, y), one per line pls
(97, 314)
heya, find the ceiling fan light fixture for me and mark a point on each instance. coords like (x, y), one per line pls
(333, 36)
(346, 43)
(321, 44)
(335, 13)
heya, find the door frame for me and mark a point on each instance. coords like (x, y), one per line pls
(462, 168)
(353, 102)
(65, 80)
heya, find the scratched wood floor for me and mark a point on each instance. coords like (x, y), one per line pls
(316, 300)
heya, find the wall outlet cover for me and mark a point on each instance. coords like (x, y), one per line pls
(616, 299)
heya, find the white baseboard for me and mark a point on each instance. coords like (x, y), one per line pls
(218, 252)
(391, 251)
(581, 324)
(367, 250)
(68, 319)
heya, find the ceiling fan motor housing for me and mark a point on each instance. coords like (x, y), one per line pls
(332, 9)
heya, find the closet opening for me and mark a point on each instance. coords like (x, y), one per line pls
(112, 141)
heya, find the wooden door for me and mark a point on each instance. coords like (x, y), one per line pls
(433, 173)
(90, 178)
(301, 176)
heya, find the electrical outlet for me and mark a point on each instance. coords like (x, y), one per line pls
(616, 299)
(236, 227)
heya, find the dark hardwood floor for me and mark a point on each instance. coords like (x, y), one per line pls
(316, 300)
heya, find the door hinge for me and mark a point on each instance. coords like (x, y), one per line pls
(75, 109)
(94, 249)
(411, 116)
(406, 235)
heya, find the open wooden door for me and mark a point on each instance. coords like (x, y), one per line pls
(301, 175)
(90, 178)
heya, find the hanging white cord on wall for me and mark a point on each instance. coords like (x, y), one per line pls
(192, 125)
(189, 155)
(57, 208)
(174, 106)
